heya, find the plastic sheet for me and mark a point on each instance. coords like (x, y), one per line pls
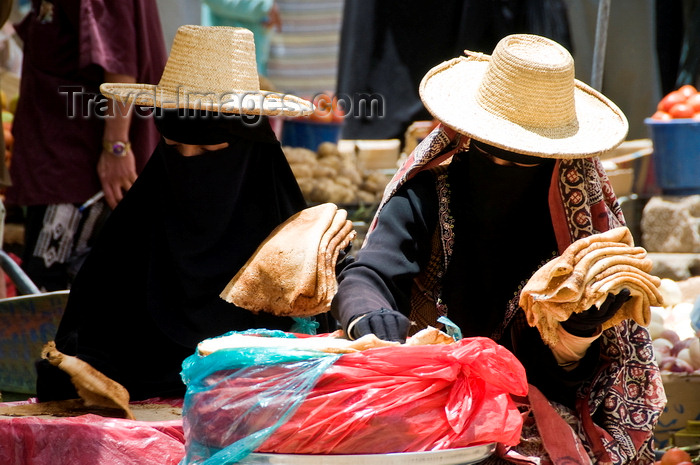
(90, 440)
(384, 400)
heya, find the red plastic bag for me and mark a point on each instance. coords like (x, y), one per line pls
(384, 400)
(90, 440)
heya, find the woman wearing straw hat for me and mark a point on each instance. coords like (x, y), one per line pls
(214, 188)
(506, 182)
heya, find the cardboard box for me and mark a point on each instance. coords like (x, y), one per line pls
(380, 154)
(629, 167)
(683, 394)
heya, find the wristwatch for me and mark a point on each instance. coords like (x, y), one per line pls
(116, 148)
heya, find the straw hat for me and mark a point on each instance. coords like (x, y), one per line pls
(524, 98)
(210, 68)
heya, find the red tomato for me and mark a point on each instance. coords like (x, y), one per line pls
(694, 101)
(324, 109)
(669, 100)
(687, 90)
(661, 116)
(675, 456)
(681, 110)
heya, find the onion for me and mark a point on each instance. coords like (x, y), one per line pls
(671, 335)
(694, 351)
(662, 348)
(671, 292)
(680, 345)
(684, 355)
(656, 315)
(655, 329)
(675, 365)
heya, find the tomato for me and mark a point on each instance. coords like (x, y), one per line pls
(328, 110)
(687, 90)
(694, 101)
(669, 100)
(675, 456)
(661, 116)
(681, 110)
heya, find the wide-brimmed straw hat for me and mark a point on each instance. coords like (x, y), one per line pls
(524, 98)
(212, 68)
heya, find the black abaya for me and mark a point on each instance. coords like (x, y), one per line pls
(149, 291)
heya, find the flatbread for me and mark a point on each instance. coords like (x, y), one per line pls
(292, 273)
(584, 275)
(334, 345)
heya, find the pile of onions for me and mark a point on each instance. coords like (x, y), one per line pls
(676, 344)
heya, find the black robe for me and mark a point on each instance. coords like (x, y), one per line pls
(149, 290)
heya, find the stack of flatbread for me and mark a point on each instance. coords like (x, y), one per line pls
(292, 273)
(334, 343)
(584, 275)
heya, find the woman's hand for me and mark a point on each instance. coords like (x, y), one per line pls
(388, 325)
(117, 174)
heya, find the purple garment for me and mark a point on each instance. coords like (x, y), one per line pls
(68, 45)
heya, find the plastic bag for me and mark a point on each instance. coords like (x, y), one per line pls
(384, 400)
(90, 440)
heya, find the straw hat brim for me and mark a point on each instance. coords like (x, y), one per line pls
(258, 102)
(449, 93)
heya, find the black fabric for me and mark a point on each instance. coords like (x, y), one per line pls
(196, 127)
(386, 324)
(507, 155)
(387, 46)
(149, 291)
(503, 233)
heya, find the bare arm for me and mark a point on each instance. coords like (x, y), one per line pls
(117, 174)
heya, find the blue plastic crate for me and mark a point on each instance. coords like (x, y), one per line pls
(26, 324)
(309, 134)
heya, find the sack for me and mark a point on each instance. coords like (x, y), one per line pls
(383, 400)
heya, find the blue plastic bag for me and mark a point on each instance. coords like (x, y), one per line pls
(282, 378)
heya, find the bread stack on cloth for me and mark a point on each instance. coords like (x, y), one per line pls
(292, 273)
(584, 275)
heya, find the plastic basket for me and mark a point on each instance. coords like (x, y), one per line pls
(26, 324)
(676, 155)
(309, 134)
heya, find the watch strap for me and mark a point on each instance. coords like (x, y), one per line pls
(116, 147)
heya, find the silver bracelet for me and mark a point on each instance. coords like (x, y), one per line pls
(351, 326)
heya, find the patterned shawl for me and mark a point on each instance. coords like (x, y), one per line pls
(626, 395)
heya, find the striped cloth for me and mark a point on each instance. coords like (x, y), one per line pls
(304, 54)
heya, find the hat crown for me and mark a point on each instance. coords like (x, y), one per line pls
(530, 80)
(211, 60)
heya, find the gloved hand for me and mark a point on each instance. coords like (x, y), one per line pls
(586, 323)
(386, 324)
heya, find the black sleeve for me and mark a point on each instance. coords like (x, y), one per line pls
(542, 369)
(394, 253)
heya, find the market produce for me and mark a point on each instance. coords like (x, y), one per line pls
(292, 272)
(94, 388)
(329, 176)
(683, 102)
(675, 456)
(676, 345)
(583, 276)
